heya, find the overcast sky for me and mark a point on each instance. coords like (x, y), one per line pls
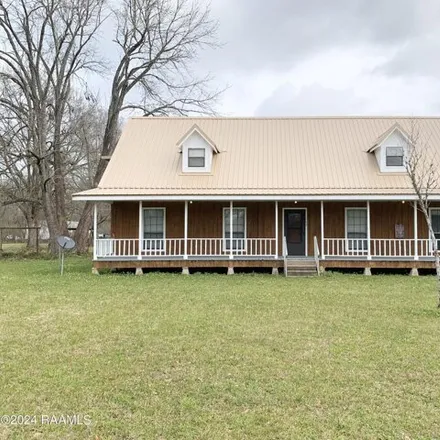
(327, 57)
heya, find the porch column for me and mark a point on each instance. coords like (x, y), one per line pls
(231, 207)
(276, 229)
(368, 231)
(416, 232)
(95, 230)
(140, 232)
(185, 244)
(322, 230)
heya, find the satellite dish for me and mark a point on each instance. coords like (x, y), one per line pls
(65, 243)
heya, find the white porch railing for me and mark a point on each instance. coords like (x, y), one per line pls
(175, 247)
(377, 248)
(260, 248)
(110, 247)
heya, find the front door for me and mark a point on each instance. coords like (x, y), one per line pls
(295, 231)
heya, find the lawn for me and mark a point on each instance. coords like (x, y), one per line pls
(166, 356)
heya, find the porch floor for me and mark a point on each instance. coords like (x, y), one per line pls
(255, 262)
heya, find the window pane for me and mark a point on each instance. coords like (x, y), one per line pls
(196, 157)
(357, 228)
(196, 152)
(154, 223)
(238, 227)
(196, 162)
(435, 219)
(394, 156)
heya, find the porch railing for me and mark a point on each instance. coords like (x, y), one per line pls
(175, 247)
(260, 247)
(377, 248)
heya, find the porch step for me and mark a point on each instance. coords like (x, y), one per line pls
(300, 267)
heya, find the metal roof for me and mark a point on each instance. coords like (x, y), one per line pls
(259, 156)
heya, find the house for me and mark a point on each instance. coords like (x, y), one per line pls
(320, 192)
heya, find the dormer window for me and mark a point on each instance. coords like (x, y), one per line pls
(390, 150)
(197, 151)
(196, 157)
(394, 156)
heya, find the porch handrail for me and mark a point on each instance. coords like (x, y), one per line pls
(316, 253)
(175, 247)
(378, 247)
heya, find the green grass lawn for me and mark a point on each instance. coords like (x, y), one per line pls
(215, 357)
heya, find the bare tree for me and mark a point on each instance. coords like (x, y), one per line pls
(158, 42)
(45, 44)
(18, 173)
(422, 166)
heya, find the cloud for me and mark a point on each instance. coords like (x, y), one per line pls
(281, 33)
(313, 100)
(417, 58)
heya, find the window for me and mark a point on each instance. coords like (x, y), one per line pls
(435, 220)
(356, 229)
(394, 156)
(196, 157)
(154, 228)
(238, 228)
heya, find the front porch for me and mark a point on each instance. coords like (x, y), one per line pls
(263, 234)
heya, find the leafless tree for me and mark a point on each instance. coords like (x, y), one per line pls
(44, 46)
(422, 166)
(18, 173)
(158, 42)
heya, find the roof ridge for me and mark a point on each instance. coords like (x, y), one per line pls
(288, 118)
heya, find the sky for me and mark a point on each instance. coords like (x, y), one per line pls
(326, 57)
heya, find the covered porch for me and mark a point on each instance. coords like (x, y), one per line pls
(265, 233)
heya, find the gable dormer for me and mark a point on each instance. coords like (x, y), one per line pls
(390, 150)
(197, 151)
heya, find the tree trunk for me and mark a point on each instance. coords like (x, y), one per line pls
(82, 234)
(32, 221)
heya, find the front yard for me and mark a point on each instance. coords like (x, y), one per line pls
(214, 357)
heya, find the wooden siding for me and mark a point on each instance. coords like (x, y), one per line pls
(205, 219)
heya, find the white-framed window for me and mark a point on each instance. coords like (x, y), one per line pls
(197, 154)
(435, 222)
(154, 228)
(238, 228)
(356, 229)
(394, 156)
(196, 157)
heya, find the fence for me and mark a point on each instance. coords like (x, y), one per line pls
(15, 239)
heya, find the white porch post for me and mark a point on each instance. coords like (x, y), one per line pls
(140, 232)
(185, 254)
(231, 208)
(95, 230)
(276, 229)
(416, 232)
(322, 230)
(368, 231)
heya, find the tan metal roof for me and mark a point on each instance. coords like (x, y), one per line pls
(259, 156)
